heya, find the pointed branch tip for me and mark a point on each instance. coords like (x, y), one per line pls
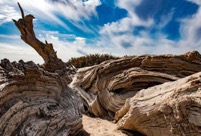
(14, 20)
(22, 12)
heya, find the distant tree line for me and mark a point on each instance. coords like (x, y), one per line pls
(90, 60)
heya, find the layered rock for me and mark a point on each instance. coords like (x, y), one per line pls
(170, 109)
(36, 102)
(105, 87)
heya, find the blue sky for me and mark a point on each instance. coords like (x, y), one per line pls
(118, 27)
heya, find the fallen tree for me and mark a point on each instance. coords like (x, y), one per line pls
(170, 109)
(104, 88)
(146, 94)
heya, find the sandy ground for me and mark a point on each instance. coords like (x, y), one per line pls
(100, 127)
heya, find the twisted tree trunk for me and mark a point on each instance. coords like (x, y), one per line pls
(38, 101)
(34, 100)
(148, 94)
(104, 88)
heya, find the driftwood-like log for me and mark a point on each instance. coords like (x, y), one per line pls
(170, 109)
(45, 50)
(104, 88)
(36, 102)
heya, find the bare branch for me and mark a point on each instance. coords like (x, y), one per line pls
(45, 50)
(22, 12)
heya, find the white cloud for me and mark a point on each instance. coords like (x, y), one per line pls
(7, 13)
(191, 30)
(66, 49)
(13, 37)
(120, 32)
(165, 19)
(116, 38)
(48, 11)
(198, 2)
(78, 47)
(18, 51)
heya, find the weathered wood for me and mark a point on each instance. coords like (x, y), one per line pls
(45, 50)
(170, 109)
(104, 88)
(36, 102)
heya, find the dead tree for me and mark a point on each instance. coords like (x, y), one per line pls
(34, 101)
(45, 50)
(148, 94)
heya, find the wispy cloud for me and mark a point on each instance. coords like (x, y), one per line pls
(116, 38)
(17, 52)
(195, 1)
(7, 12)
(50, 11)
(191, 30)
(13, 37)
(121, 32)
(165, 19)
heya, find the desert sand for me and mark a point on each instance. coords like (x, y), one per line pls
(100, 127)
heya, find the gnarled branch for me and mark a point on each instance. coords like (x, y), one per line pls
(45, 50)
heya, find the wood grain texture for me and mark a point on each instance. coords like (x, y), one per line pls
(170, 109)
(36, 102)
(104, 88)
(151, 95)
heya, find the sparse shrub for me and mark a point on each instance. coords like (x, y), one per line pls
(90, 60)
